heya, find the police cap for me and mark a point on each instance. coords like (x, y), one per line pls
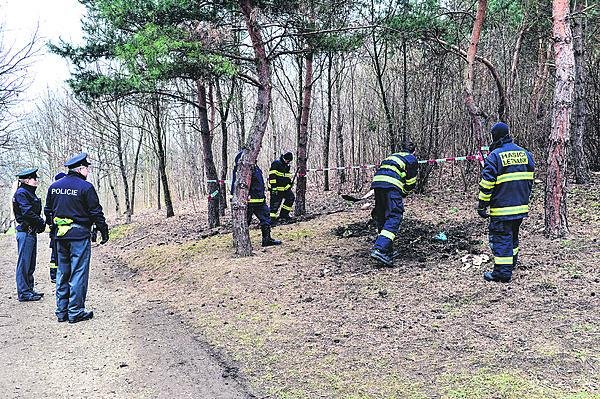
(28, 173)
(77, 160)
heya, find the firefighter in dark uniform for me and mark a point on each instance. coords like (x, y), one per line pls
(257, 202)
(280, 185)
(53, 248)
(505, 187)
(72, 205)
(395, 179)
(27, 208)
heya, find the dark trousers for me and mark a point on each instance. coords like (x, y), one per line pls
(72, 277)
(27, 250)
(277, 197)
(388, 211)
(53, 258)
(261, 210)
(504, 243)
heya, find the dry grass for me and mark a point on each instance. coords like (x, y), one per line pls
(314, 318)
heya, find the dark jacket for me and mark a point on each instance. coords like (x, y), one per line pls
(74, 198)
(280, 178)
(27, 208)
(507, 180)
(397, 171)
(256, 193)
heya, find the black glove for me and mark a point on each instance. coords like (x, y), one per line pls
(41, 227)
(482, 209)
(104, 234)
(94, 234)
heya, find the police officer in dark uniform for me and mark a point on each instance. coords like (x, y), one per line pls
(257, 203)
(53, 248)
(280, 184)
(395, 179)
(505, 186)
(72, 205)
(27, 208)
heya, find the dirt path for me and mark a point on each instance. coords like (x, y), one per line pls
(131, 349)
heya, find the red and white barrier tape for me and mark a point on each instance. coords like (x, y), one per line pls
(477, 157)
(423, 161)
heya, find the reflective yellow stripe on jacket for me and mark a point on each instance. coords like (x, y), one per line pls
(514, 176)
(280, 174)
(509, 210)
(284, 188)
(484, 197)
(389, 179)
(487, 184)
(396, 159)
(393, 168)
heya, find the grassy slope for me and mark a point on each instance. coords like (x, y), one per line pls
(314, 318)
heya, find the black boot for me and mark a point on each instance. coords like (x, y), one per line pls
(285, 218)
(382, 257)
(267, 240)
(500, 274)
(52, 274)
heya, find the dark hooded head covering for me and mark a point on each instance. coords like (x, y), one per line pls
(408, 146)
(288, 156)
(499, 130)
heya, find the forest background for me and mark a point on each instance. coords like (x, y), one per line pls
(165, 93)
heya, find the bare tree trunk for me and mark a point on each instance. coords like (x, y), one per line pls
(544, 53)
(241, 116)
(123, 170)
(556, 179)
(162, 160)
(582, 171)
(379, 72)
(300, 207)
(239, 202)
(515, 58)
(502, 98)
(434, 128)
(209, 163)
(477, 116)
(276, 148)
(158, 202)
(404, 90)
(113, 190)
(355, 172)
(135, 170)
(211, 103)
(341, 161)
(238, 92)
(224, 108)
(298, 114)
(327, 139)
